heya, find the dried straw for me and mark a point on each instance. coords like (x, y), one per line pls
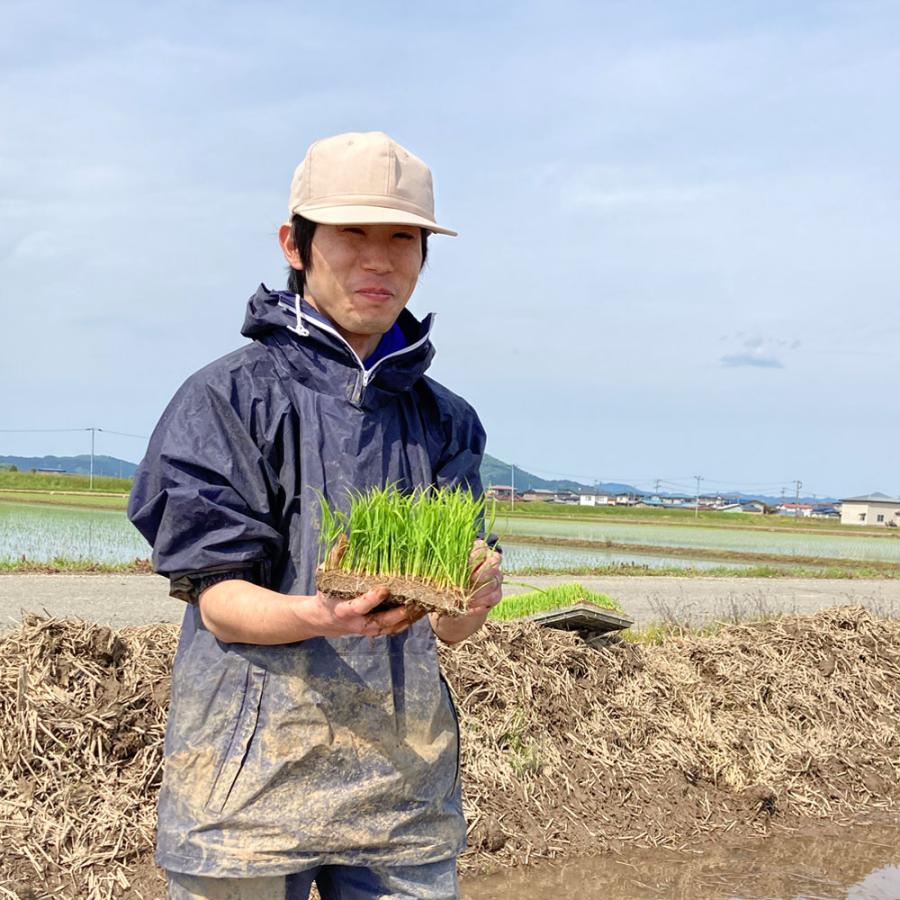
(82, 714)
(567, 749)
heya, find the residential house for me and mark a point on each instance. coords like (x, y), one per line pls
(871, 509)
(547, 496)
(664, 502)
(595, 500)
(798, 510)
(748, 506)
(500, 492)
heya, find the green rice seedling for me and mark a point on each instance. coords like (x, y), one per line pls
(562, 595)
(417, 544)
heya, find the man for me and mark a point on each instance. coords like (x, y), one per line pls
(310, 739)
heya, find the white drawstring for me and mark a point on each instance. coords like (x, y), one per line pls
(299, 327)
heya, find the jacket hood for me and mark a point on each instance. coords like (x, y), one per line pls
(316, 353)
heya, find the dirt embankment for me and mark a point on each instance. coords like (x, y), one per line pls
(566, 749)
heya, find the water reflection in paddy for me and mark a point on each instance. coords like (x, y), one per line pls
(44, 532)
(518, 555)
(749, 540)
(862, 863)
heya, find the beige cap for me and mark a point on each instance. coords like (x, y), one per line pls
(362, 178)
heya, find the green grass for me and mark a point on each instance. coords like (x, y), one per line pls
(657, 633)
(760, 571)
(561, 595)
(64, 565)
(88, 501)
(47, 481)
(64, 490)
(426, 535)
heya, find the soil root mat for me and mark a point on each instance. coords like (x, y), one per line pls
(419, 597)
(567, 749)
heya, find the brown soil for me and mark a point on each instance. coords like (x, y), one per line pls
(567, 749)
(417, 596)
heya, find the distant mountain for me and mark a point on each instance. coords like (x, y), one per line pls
(495, 471)
(73, 465)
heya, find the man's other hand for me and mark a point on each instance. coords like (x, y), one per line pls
(486, 584)
(486, 580)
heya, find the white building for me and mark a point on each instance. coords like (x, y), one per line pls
(594, 499)
(872, 509)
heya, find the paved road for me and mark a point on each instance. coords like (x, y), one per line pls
(136, 599)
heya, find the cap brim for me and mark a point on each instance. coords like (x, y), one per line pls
(369, 215)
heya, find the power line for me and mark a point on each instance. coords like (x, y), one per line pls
(93, 429)
(682, 482)
(142, 437)
(36, 430)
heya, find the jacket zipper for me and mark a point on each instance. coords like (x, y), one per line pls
(365, 375)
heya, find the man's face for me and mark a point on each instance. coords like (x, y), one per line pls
(362, 276)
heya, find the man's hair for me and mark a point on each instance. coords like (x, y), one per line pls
(302, 231)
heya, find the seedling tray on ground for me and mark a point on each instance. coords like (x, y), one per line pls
(585, 618)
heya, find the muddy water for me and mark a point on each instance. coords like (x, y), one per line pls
(860, 863)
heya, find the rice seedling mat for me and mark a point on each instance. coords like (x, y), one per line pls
(417, 545)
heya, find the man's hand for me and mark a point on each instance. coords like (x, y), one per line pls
(239, 612)
(487, 584)
(487, 579)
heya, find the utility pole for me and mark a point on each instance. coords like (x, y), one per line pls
(697, 507)
(512, 493)
(658, 482)
(799, 485)
(93, 432)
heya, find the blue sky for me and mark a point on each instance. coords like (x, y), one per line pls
(678, 221)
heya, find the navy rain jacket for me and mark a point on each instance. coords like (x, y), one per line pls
(329, 750)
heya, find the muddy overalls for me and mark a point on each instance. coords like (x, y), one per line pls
(336, 751)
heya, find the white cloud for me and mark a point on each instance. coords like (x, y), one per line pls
(755, 350)
(38, 246)
(757, 360)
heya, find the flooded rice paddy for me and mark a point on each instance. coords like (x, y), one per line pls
(41, 533)
(856, 863)
(787, 543)
(519, 556)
